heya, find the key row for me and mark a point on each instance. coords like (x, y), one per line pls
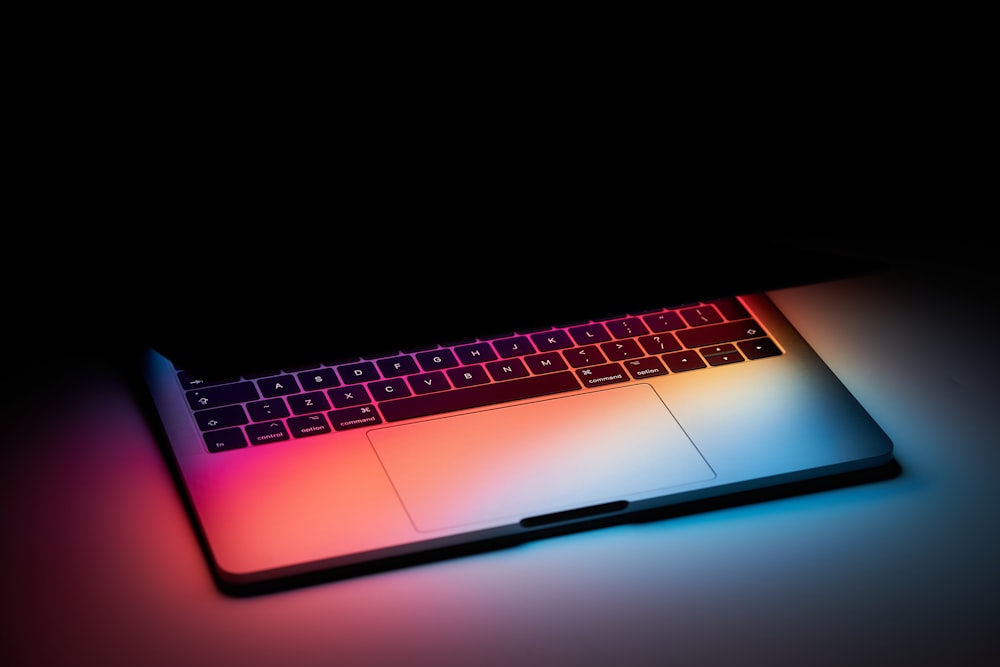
(443, 370)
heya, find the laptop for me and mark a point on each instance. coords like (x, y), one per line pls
(430, 413)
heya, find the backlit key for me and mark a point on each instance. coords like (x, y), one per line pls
(659, 343)
(621, 349)
(683, 361)
(714, 334)
(584, 356)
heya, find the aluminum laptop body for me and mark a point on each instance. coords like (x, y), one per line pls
(315, 469)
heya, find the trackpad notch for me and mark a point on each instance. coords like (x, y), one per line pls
(504, 464)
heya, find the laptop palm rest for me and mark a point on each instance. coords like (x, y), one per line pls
(505, 464)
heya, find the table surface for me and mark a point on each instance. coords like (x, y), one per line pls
(103, 567)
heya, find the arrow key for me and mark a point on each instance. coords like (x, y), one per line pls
(759, 348)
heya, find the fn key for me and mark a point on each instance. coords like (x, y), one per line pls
(227, 438)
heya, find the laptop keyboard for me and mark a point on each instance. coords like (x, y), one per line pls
(300, 402)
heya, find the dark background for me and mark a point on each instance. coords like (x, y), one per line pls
(125, 216)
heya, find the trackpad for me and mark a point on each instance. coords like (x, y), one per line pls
(504, 464)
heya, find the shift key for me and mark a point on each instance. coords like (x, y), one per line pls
(714, 334)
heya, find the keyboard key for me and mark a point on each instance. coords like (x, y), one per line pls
(731, 308)
(231, 415)
(759, 348)
(282, 385)
(425, 383)
(225, 439)
(584, 356)
(719, 355)
(621, 349)
(686, 360)
(344, 420)
(587, 334)
(226, 394)
(714, 334)
(479, 396)
(346, 397)
(261, 411)
(508, 348)
(437, 360)
(468, 376)
(601, 375)
(551, 340)
(302, 427)
(666, 321)
(630, 327)
(321, 378)
(476, 353)
(197, 381)
(645, 368)
(507, 370)
(262, 434)
(548, 362)
(303, 404)
(701, 315)
(362, 371)
(659, 343)
(395, 367)
(383, 390)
